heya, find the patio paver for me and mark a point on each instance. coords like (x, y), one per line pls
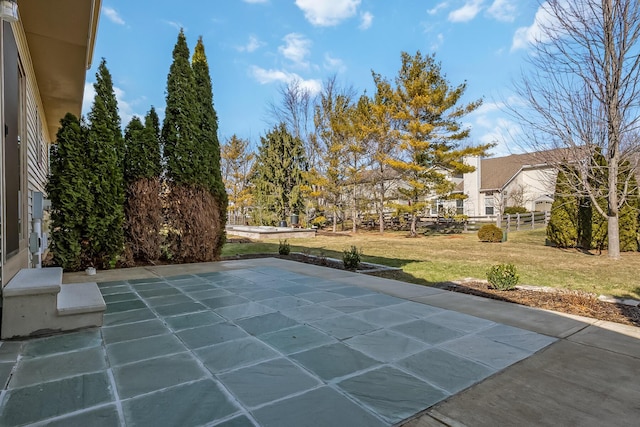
(255, 345)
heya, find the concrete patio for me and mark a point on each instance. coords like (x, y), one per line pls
(271, 342)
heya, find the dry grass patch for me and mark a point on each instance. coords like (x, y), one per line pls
(435, 259)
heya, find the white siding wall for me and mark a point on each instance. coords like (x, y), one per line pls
(474, 204)
(37, 136)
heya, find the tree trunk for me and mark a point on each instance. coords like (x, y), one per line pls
(613, 228)
(381, 213)
(355, 211)
(614, 237)
(414, 220)
(335, 220)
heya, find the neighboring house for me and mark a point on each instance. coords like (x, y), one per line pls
(526, 180)
(45, 55)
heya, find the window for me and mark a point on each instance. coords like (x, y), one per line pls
(436, 207)
(459, 206)
(488, 205)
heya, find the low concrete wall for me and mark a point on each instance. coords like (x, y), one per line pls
(263, 232)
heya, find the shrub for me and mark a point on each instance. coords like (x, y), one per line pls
(514, 210)
(283, 247)
(503, 277)
(490, 233)
(351, 258)
(193, 221)
(143, 221)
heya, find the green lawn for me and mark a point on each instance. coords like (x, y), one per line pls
(433, 259)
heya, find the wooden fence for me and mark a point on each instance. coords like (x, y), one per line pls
(516, 222)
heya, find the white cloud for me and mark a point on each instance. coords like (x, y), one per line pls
(296, 48)
(503, 10)
(264, 76)
(252, 45)
(524, 36)
(113, 15)
(87, 98)
(125, 107)
(438, 8)
(334, 64)
(467, 12)
(435, 45)
(177, 25)
(326, 13)
(366, 19)
(490, 125)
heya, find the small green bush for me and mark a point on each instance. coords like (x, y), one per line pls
(503, 277)
(351, 258)
(490, 233)
(514, 210)
(284, 248)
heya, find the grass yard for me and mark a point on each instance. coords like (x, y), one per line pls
(432, 259)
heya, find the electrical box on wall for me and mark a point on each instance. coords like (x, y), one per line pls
(40, 204)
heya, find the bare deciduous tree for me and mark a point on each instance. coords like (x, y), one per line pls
(582, 98)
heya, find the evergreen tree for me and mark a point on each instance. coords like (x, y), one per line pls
(142, 148)
(576, 223)
(105, 166)
(192, 158)
(133, 149)
(180, 130)
(208, 131)
(562, 229)
(207, 119)
(68, 190)
(151, 142)
(279, 174)
(426, 109)
(143, 206)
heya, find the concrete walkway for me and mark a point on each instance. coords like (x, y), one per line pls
(273, 342)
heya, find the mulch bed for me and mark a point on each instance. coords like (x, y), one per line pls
(565, 301)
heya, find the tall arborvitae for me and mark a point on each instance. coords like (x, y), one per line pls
(152, 143)
(133, 150)
(279, 175)
(143, 205)
(576, 222)
(195, 216)
(105, 166)
(180, 129)
(71, 199)
(142, 148)
(562, 229)
(208, 127)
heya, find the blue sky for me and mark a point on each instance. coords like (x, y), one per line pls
(255, 46)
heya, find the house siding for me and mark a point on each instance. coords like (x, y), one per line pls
(34, 154)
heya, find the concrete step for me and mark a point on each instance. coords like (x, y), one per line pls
(34, 281)
(79, 298)
(36, 303)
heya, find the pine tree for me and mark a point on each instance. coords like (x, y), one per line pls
(105, 165)
(279, 175)
(68, 190)
(180, 127)
(425, 107)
